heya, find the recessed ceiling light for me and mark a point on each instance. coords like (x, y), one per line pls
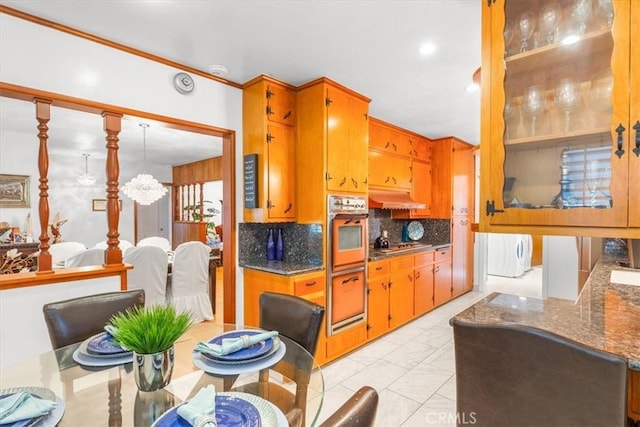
(218, 70)
(428, 48)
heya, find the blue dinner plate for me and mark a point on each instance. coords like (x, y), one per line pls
(256, 350)
(230, 412)
(103, 343)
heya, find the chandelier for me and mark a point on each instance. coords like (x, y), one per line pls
(144, 188)
(86, 178)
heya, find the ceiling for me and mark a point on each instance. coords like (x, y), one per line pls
(370, 46)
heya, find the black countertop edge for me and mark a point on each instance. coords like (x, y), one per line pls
(378, 256)
(283, 268)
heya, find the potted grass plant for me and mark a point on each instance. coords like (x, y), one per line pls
(150, 333)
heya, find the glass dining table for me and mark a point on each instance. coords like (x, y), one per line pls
(109, 396)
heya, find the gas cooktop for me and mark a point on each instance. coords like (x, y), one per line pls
(400, 247)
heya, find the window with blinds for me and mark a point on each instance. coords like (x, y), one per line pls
(586, 177)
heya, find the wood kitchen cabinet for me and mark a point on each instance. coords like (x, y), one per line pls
(389, 171)
(452, 178)
(331, 156)
(560, 130)
(401, 290)
(423, 283)
(462, 258)
(310, 286)
(442, 276)
(377, 298)
(389, 139)
(268, 130)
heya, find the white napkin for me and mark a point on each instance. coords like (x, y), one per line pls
(231, 345)
(23, 406)
(200, 410)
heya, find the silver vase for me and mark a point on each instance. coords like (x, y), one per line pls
(153, 371)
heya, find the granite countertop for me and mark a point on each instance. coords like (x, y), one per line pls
(606, 316)
(375, 256)
(285, 268)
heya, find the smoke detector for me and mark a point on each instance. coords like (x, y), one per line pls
(218, 70)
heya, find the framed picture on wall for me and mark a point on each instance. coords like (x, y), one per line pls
(14, 191)
(100, 205)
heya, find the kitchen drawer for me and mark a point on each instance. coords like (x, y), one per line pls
(443, 254)
(378, 268)
(424, 258)
(404, 262)
(309, 285)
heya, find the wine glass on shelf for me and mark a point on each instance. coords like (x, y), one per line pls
(548, 20)
(606, 8)
(525, 25)
(567, 99)
(593, 180)
(508, 36)
(533, 105)
(581, 13)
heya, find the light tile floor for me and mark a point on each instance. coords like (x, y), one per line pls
(413, 368)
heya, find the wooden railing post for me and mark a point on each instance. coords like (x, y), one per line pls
(112, 126)
(43, 114)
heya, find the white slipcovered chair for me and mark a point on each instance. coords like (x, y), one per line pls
(149, 272)
(91, 256)
(63, 250)
(189, 288)
(160, 242)
(123, 245)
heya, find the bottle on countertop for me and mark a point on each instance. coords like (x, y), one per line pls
(280, 245)
(271, 246)
(382, 242)
(405, 231)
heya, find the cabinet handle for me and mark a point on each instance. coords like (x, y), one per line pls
(410, 277)
(387, 180)
(417, 275)
(350, 279)
(286, 116)
(378, 268)
(310, 284)
(288, 208)
(394, 180)
(354, 182)
(395, 148)
(387, 144)
(437, 269)
(620, 131)
(637, 129)
(344, 180)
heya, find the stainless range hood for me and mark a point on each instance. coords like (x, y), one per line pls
(384, 199)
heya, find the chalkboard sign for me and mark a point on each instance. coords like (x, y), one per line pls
(251, 181)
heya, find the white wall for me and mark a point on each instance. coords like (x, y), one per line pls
(42, 58)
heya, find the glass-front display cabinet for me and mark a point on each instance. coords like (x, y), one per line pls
(561, 116)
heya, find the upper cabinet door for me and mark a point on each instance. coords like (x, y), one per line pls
(281, 104)
(557, 142)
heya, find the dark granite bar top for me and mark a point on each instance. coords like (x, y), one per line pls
(283, 268)
(375, 256)
(606, 316)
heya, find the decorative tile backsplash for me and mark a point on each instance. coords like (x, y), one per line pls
(436, 231)
(302, 242)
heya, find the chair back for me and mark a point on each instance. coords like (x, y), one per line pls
(74, 320)
(359, 411)
(189, 288)
(160, 242)
(149, 272)
(91, 256)
(509, 374)
(293, 317)
(63, 250)
(123, 245)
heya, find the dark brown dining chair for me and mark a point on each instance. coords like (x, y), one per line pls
(508, 375)
(300, 321)
(74, 320)
(358, 411)
(293, 317)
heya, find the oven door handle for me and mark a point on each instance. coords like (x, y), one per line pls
(351, 279)
(352, 217)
